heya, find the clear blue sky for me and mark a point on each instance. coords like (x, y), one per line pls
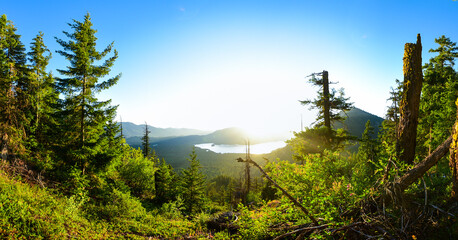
(215, 64)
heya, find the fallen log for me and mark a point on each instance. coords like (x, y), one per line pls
(422, 167)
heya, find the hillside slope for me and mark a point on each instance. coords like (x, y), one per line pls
(355, 122)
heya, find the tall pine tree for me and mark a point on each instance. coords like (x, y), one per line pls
(165, 182)
(13, 84)
(43, 95)
(146, 148)
(322, 136)
(84, 117)
(192, 187)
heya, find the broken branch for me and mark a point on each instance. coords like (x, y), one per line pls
(421, 168)
(299, 205)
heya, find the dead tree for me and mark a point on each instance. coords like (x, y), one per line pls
(246, 190)
(326, 105)
(410, 101)
(454, 156)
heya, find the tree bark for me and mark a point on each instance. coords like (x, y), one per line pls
(454, 156)
(410, 102)
(326, 107)
(421, 168)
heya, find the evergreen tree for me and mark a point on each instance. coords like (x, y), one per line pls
(322, 136)
(165, 180)
(113, 139)
(328, 103)
(392, 113)
(388, 134)
(13, 84)
(439, 93)
(84, 117)
(43, 105)
(42, 84)
(368, 145)
(146, 148)
(192, 187)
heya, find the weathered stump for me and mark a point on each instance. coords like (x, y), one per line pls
(410, 101)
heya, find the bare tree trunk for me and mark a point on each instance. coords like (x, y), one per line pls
(421, 168)
(454, 157)
(410, 102)
(326, 107)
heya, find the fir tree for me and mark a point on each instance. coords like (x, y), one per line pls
(165, 181)
(322, 136)
(43, 105)
(146, 148)
(84, 117)
(368, 145)
(388, 134)
(42, 84)
(439, 93)
(328, 103)
(13, 84)
(192, 187)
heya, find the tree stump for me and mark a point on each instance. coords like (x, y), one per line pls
(410, 102)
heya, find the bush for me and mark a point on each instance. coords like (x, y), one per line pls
(135, 171)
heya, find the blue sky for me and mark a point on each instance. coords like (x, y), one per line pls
(215, 64)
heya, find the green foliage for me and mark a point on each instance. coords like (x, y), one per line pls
(43, 97)
(77, 187)
(192, 186)
(28, 212)
(336, 103)
(166, 183)
(173, 209)
(133, 172)
(121, 206)
(83, 116)
(13, 87)
(316, 140)
(439, 93)
(252, 225)
(321, 136)
(146, 148)
(220, 189)
(368, 146)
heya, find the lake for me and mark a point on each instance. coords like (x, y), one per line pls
(260, 148)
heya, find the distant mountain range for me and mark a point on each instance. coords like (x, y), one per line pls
(175, 144)
(133, 130)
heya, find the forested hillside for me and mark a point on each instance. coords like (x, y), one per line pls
(67, 172)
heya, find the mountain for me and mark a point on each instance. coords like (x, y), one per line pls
(133, 130)
(223, 136)
(356, 121)
(175, 149)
